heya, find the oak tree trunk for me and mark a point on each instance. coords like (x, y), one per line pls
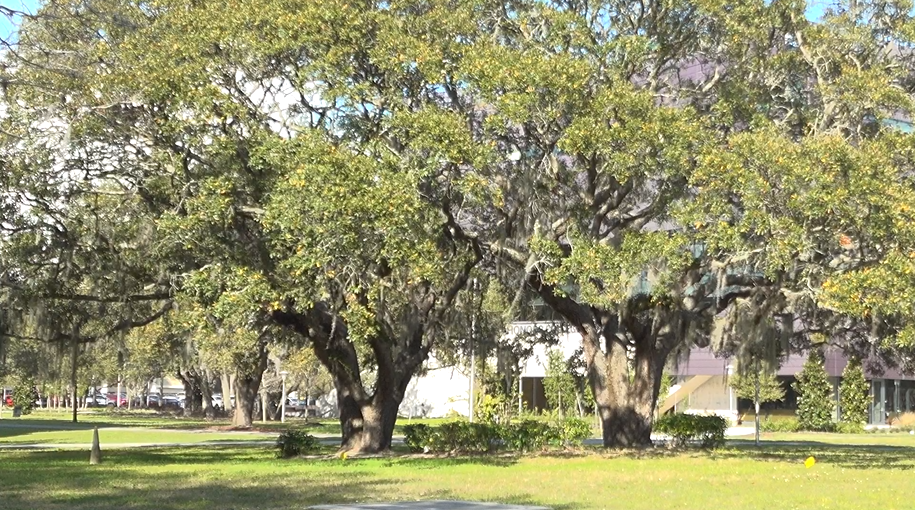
(624, 355)
(368, 427)
(246, 394)
(206, 394)
(372, 429)
(192, 394)
(247, 384)
(366, 419)
(626, 387)
(227, 386)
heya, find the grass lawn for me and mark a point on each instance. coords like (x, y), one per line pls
(14, 436)
(43, 427)
(250, 478)
(44, 420)
(872, 438)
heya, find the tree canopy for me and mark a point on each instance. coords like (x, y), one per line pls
(272, 175)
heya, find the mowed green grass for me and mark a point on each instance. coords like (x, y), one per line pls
(871, 438)
(43, 419)
(118, 428)
(106, 436)
(251, 478)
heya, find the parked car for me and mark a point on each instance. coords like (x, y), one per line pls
(94, 400)
(119, 402)
(170, 401)
(217, 401)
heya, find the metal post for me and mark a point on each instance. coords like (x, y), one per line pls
(473, 370)
(731, 409)
(473, 358)
(283, 374)
(756, 402)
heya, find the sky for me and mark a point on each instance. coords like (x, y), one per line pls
(814, 11)
(6, 24)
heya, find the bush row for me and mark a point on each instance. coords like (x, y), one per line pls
(683, 428)
(522, 436)
(793, 425)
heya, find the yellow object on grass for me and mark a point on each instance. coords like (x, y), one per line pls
(810, 462)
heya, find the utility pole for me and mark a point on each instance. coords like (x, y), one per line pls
(473, 358)
(756, 401)
(283, 374)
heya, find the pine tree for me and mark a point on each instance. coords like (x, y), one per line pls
(854, 395)
(815, 404)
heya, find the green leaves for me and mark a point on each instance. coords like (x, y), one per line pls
(770, 388)
(815, 404)
(854, 394)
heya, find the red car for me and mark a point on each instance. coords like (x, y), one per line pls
(122, 402)
(8, 397)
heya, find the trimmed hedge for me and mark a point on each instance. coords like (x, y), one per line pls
(417, 436)
(523, 436)
(293, 443)
(779, 425)
(685, 428)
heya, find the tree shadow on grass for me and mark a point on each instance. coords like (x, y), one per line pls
(527, 500)
(845, 456)
(22, 426)
(436, 462)
(244, 479)
(173, 492)
(142, 480)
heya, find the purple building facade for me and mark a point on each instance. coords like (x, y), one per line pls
(704, 375)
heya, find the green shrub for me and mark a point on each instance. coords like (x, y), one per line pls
(573, 431)
(417, 437)
(293, 443)
(779, 425)
(684, 428)
(456, 436)
(815, 403)
(522, 436)
(559, 385)
(849, 428)
(530, 435)
(491, 408)
(854, 394)
(24, 395)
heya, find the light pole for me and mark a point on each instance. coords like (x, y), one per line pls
(283, 374)
(473, 358)
(756, 400)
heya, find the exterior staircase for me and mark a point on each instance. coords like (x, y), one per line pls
(681, 392)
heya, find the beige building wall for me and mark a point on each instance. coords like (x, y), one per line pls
(715, 396)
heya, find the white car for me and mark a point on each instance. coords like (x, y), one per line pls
(217, 401)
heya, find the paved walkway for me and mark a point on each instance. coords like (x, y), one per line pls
(430, 505)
